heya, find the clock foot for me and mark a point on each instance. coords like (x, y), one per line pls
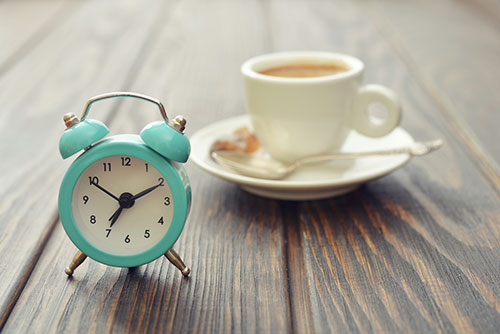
(176, 260)
(77, 260)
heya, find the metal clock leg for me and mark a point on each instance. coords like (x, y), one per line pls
(77, 260)
(176, 260)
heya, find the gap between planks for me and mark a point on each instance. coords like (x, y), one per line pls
(480, 158)
(67, 9)
(134, 71)
(13, 296)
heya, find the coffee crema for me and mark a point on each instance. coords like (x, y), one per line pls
(304, 70)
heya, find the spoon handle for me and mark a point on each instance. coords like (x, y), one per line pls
(417, 148)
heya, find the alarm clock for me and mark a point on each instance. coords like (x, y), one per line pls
(124, 201)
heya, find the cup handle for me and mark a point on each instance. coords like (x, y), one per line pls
(367, 95)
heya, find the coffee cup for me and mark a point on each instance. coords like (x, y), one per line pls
(306, 103)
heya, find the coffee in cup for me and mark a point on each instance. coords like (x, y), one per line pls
(304, 70)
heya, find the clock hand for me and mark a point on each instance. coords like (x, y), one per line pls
(126, 201)
(115, 216)
(107, 192)
(145, 192)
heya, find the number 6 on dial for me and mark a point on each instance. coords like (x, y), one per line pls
(125, 199)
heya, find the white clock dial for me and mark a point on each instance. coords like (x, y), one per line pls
(141, 222)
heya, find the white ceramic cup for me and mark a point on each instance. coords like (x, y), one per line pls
(299, 117)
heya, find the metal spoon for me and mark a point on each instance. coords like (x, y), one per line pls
(268, 168)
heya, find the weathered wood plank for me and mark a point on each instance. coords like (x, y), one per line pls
(233, 242)
(416, 251)
(23, 24)
(56, 77)
(454, 55)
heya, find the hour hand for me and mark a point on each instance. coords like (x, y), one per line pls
(107, 192)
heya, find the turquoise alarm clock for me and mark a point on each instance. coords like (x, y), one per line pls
(124, 201)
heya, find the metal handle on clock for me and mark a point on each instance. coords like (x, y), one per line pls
(123, 94)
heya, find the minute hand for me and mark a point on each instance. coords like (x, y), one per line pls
(115, 216)
(145, 192)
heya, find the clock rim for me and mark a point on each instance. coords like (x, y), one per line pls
(134, 146)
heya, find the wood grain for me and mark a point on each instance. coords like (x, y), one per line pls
(406, 253)
(467, 54)
(235, 285)
(34, 95)
(24, 24)
(413, 252)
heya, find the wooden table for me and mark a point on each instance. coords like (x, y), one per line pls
(415, 251)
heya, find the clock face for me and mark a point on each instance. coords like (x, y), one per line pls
(122, 205)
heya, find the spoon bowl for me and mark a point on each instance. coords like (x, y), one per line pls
(250, 165)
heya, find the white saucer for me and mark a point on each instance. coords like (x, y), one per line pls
(308, 182)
